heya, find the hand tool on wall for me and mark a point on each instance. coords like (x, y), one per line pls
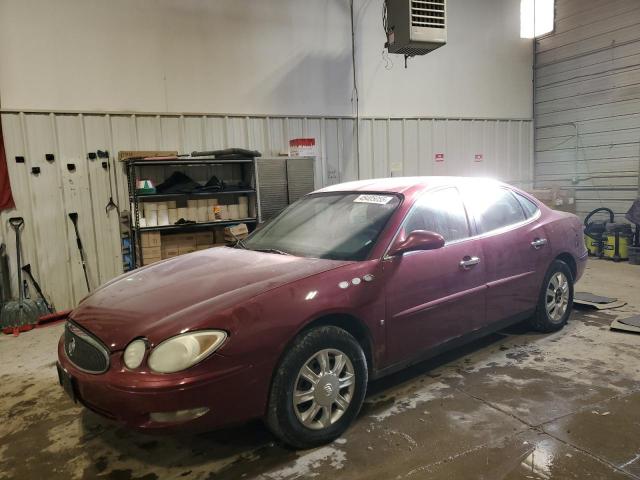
(111, 205)
(74, 219)
(27, 269)
(20, 313)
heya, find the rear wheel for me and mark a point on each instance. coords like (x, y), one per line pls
(318, 388)
(556, 299)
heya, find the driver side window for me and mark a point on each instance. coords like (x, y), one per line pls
(441, 212)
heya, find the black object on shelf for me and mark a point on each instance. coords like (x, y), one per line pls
(228, 153)
(197, 226)
(177, 182)
(216, 187)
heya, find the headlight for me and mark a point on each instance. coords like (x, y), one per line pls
(183, 351)
(134, 353)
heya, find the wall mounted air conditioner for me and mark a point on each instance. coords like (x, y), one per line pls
(415, 27)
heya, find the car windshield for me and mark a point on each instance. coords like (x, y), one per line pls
(337, 226)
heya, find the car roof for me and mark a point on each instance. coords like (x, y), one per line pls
(402, 184)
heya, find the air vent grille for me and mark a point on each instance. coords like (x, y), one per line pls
(428, 13)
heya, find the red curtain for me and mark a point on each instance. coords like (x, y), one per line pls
(6, 199)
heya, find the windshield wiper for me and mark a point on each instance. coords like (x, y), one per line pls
(271, 250)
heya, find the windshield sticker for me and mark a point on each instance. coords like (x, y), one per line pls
(378, 199)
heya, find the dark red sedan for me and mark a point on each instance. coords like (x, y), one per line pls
(350, 283)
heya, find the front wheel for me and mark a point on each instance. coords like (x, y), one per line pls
(318, 388)
(556, 299)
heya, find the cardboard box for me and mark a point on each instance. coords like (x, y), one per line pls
(186, 249)
(563, 199)
(150, 239)
(204, 238)
(180, 239)
(219, 235)
(149, 252)
(239, 231)
(150, 260)
(170, 252)
(203, 247)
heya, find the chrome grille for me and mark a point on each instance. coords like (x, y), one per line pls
(85, 351)
(428, 13)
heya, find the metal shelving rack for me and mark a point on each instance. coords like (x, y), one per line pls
(133, 167)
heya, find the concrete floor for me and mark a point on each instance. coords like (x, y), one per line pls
(517, 405)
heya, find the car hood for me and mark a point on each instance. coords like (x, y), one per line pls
(178, 294)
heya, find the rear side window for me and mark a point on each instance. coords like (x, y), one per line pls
(494, 208)
(530, 208)
(441, 212)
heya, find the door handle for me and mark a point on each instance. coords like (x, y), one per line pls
(469, 262)
(538, 243)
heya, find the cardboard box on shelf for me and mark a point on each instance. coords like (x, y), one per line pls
(186, 249)
(204, 238)
(203, 247)
(151, 252)
(150, 239)
(218, 235)
(180, 239)
(170, 251)
(149, 260)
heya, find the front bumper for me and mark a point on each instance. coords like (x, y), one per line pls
(233, 393)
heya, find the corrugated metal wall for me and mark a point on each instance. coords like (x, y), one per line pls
(587, 103)
(387, 147)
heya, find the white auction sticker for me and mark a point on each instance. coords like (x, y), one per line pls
(379, 199)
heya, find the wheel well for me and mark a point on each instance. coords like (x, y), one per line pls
(352, 325)
(570, 261)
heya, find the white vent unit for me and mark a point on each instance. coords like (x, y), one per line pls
(415, 27)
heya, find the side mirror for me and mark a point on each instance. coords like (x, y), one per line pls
(418, 240)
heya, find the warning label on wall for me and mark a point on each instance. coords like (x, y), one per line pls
(439, 157)
(478, 157)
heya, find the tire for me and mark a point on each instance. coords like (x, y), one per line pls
(285, 417)
(548, 318)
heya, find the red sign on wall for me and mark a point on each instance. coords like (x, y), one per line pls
(478, 157)
(439, 157)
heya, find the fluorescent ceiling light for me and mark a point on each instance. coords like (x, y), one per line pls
(536, 17)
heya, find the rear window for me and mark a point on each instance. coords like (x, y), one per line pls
(530, 208)
(494, 208)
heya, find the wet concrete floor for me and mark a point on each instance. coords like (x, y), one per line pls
(516, 405)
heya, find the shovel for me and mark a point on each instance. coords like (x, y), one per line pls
(20, 313)
(27, 269)
(74, 219)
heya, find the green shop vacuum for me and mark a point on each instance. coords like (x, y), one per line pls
(594, 231)
(616, 241)
(18, 314)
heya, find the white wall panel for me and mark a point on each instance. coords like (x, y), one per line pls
(587, 100)
(388, 147)
(256, 57)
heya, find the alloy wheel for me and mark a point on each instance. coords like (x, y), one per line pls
(324, 389)
(557, 296)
